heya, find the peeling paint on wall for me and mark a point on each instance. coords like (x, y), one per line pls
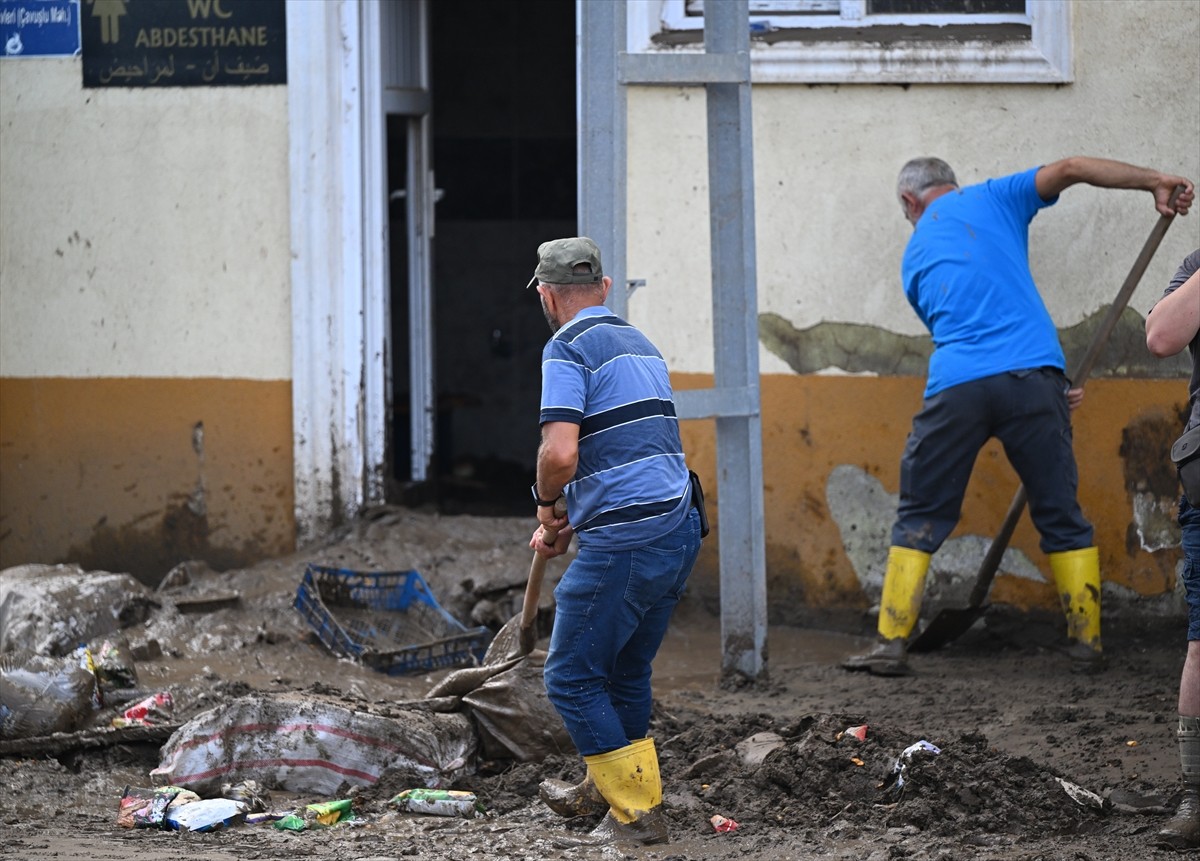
(864, 512)
(853, 347)
(858, 348)
(1150, 479)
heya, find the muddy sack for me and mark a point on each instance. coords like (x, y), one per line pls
(514, 716)
(506, 698)
(40, 695)
(51, 609)
(305, 743)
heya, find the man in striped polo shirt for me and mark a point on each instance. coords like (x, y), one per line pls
(610, 446)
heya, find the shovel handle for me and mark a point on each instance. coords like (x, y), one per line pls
(991, 561)
(533, 587)
(1100, 339)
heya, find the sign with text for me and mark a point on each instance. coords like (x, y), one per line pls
(183, 43)
(39, 28)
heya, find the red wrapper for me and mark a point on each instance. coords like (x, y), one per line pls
(150, 709)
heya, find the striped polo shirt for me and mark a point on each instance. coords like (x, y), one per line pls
(631, 484)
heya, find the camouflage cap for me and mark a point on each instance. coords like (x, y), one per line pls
(558, 258)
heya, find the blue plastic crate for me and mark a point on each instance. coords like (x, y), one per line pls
(389, 620)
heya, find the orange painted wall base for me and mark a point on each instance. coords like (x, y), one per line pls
(137, 475)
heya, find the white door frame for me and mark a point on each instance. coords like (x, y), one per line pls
(339, 247)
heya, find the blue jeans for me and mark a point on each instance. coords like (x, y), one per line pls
(1189, 519)
(611, 616)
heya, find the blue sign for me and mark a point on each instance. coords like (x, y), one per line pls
(39, 28)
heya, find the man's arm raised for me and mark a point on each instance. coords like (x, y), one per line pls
(1054, 178)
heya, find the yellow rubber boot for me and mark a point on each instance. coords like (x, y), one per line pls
(903, 590)
(630, 782)
(1077, 578)
(899, 609)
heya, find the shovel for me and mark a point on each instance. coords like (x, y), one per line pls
(533, 588)
(950, 623)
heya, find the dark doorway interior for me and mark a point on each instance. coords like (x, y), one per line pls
(504, 153)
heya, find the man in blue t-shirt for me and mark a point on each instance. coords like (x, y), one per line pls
(611, 447)
(997, 370)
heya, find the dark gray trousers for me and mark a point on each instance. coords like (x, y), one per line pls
(1027, 411)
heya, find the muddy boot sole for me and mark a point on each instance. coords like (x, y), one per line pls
(886, 659)
(570, 800)
(1085, 660)
(650, 830)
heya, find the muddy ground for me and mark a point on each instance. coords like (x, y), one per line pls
(1012, 724)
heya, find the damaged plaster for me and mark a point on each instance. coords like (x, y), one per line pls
(858, 348)
(864, 512)
(1150, 479)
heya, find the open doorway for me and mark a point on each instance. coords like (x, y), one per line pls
(504, 160)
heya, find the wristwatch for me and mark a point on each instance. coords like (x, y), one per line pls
(542, 503)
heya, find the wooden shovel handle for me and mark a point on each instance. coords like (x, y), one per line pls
(533, 587)
(991, 561)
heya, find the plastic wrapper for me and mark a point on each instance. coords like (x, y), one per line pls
(721, 824)
(112, 662)
(41, 695)
(209, 814)
(144, 808)
(897, 781)
(249, 792)
(155, 709)
(148, 808)
(328, 813)
(439, 802)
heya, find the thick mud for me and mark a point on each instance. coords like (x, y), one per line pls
(1031, 762)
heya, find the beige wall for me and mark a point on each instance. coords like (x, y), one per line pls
(829, 229)
(145, 231)
(829, 240)
(145, 328)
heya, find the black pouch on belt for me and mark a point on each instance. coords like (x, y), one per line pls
(698, 502)
(1185, 454)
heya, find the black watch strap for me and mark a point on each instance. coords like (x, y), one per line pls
(543, 503)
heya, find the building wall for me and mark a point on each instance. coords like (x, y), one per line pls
(145, 357)
(830, 235)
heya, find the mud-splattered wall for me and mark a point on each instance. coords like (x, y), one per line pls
(145, 327)
(843, 356)
(831, 450)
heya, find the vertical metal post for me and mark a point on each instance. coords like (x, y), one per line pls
(604, 71)
(600, 37)
(735, 336)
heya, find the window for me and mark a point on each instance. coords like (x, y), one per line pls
(880, 41)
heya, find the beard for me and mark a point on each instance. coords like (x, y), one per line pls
(554, 324)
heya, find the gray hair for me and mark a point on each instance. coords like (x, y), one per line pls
(570, 290)
(920, 174)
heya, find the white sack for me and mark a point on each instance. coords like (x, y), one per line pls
(302, 743)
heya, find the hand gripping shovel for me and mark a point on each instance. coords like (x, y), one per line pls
(951, 623)
(533, 588)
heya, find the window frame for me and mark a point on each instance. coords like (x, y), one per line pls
(1045, 58)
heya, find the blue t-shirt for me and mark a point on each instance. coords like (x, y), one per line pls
(966, 274)
(631, 485)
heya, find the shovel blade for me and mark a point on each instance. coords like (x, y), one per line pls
(947, 626)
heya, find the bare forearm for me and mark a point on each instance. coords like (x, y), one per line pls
(1107, 173)
(1056, 177)
(1175, 320)
(558, 457)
